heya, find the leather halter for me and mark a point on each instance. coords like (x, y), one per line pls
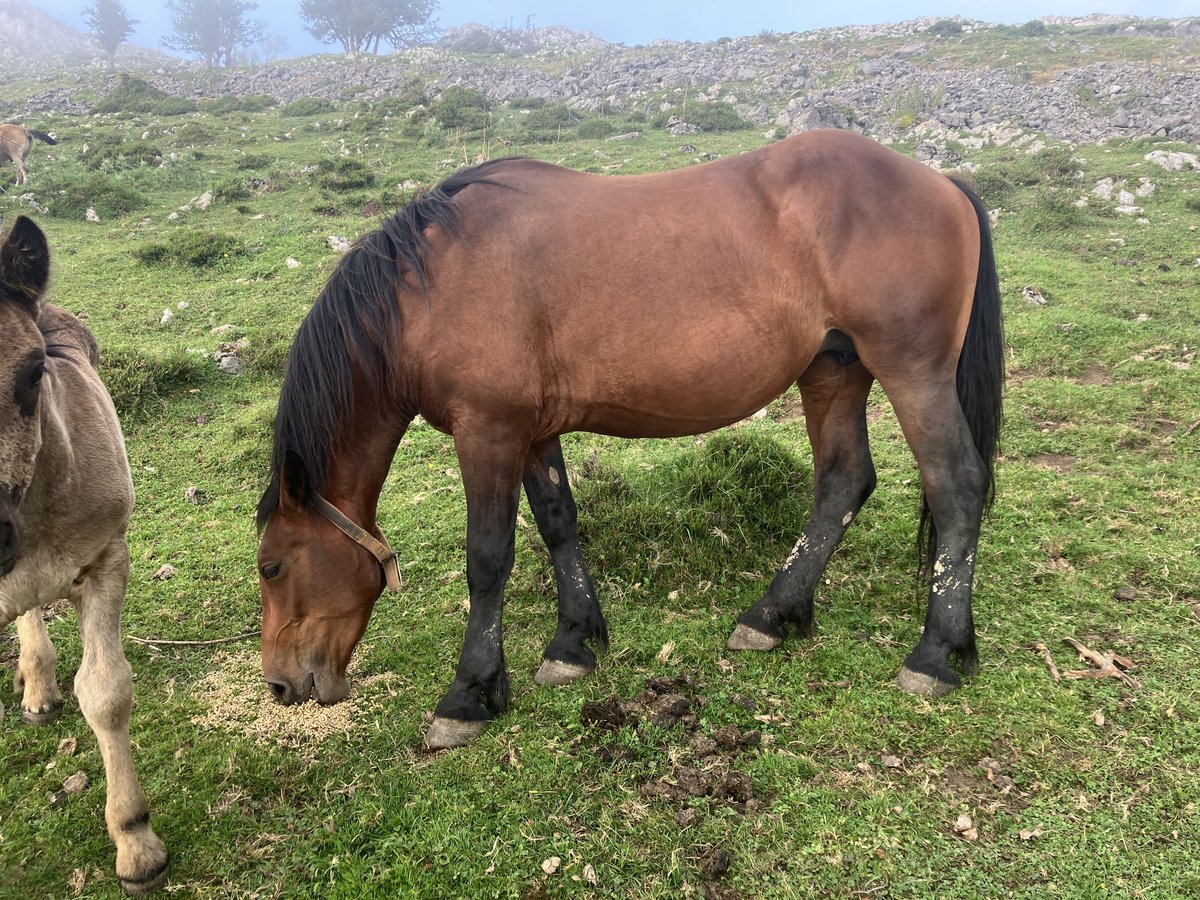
(379, 549)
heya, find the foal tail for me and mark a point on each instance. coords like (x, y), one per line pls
(40, 136)
(980, 378)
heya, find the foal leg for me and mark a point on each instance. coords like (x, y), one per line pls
(568, 656)
(104, 687)
(491, 473)
(835, 399)
(41, 700)
(955, 482)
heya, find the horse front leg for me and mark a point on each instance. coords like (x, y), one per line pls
(491, 472)
(835, 398)
(104, 686)
(580, 621)
(41, 700)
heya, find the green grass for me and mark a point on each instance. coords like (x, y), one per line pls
(1088, 788)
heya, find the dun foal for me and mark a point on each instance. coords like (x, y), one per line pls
(65, 499)
(15, 143)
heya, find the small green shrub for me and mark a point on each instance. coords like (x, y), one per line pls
(232, 189)
(945, 28)
(137, 381)
(344, 174)
(220, 106)
(133, 95)
(1192, 203)
(196, 248)
(253, 162)
(595, 129)
(108, 197)
(711, 117)
(461, 107)
(191, 134)
(1032, 28)
(109, 152)
(308, 106)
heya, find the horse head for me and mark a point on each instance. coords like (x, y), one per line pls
(24, 271)
(318, 591)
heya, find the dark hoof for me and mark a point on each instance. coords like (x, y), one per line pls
(446, 733)
(553, 671)
(149, 886)
(746, 638)
(138, 887)
(43, 715)
(923, 685)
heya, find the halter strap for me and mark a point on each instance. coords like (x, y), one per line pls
(379, 549)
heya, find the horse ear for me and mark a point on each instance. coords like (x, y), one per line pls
(24, 264)
(294, 486)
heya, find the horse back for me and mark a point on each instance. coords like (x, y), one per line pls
(678, 302)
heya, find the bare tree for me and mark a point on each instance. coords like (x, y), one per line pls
(361, 25)
(109, 24)
(212, 29)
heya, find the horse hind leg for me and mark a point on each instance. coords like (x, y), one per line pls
(954, 478)
(834, 389)
(104, 686)
(41, 699)
(580, 621)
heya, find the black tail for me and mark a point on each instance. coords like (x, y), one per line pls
(40, 136)
(980, 373)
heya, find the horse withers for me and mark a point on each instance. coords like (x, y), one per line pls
(518, 301)
(15, 143)
(65, 500)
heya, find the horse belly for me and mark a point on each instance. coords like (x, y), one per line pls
(684, 381)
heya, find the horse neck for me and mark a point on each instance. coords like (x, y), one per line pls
(360, 467)
(53, 475)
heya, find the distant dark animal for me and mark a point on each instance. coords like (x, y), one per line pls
(15, 143)
(65, 498)
(518, 301)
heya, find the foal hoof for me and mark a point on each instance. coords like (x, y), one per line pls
(42, 715)
(553, 671)
(923, 685)
(148, 886)
(746, 638)
(446, 733)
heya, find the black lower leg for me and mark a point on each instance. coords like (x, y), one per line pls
(580, 621)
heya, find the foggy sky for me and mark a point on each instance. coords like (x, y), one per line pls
(629, 22)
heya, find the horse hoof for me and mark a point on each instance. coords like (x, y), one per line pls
(553, 671)
(923, 685)
(446, 733)
(746, 638)
(149, 886)
(43, 715)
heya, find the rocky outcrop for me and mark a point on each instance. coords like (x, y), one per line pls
(881, 80)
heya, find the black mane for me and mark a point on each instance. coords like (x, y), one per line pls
(347, 332)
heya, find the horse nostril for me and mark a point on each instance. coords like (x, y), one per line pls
(278, 690)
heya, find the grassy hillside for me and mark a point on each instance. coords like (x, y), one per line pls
(1016, 785)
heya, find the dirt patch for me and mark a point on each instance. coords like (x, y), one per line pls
(237, 701)
(1062, 463)
(1096, 376)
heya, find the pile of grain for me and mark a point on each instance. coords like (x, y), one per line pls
(237, 700)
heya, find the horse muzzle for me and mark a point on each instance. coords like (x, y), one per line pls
(323, 687)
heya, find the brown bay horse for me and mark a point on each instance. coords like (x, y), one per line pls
(15, 143)
(518, 301)
(65, 499)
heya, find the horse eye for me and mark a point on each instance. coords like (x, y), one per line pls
(269, 572)
(35, 377)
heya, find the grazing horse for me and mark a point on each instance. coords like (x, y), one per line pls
(517, 301)
(15, 143)
(65, 499)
